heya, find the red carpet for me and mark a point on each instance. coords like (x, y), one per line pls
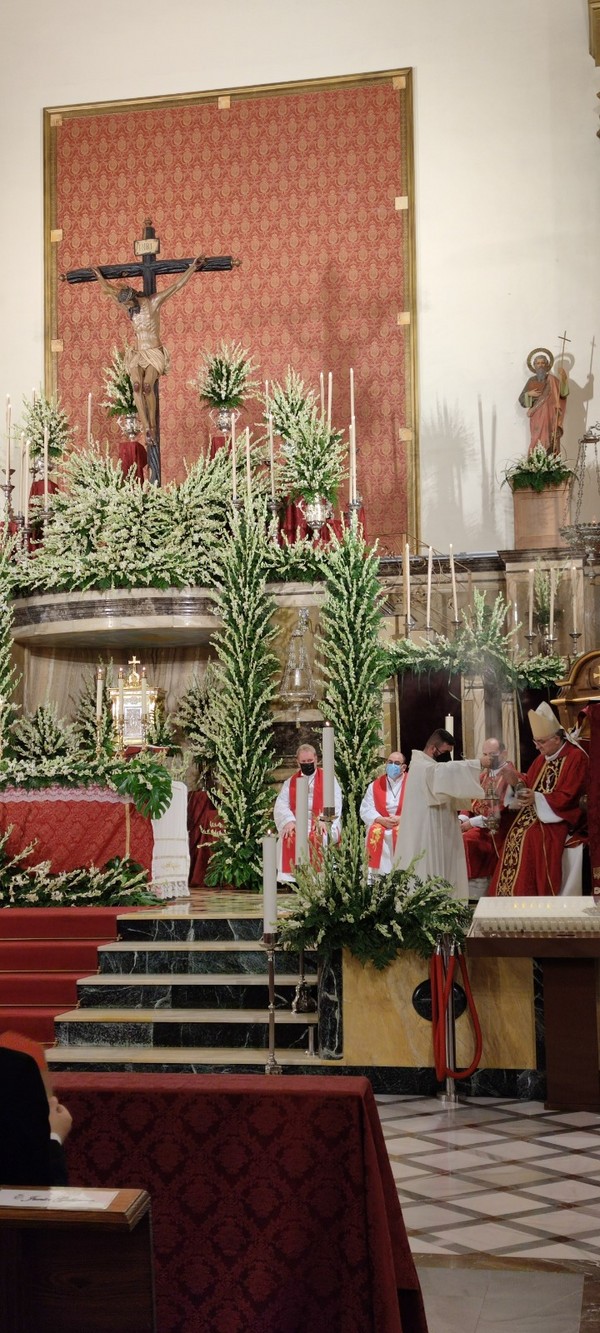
(43, 951)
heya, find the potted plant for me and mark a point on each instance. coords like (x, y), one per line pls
(540, 484)
(41, 414)
(120, 400)
(288, 403)
(312, 471)
(224, 381)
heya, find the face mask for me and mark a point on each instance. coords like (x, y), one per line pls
(393, 770)
(307, 769)
(442, 758)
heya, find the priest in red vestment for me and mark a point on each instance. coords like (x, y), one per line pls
(285, 814)
(481, 842)
(547, 800)
(380, 810)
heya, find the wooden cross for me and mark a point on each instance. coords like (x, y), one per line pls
(148, 268)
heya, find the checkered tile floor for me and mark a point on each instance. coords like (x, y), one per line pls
(496, 1177)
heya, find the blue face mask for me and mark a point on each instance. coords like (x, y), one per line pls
(393, 770)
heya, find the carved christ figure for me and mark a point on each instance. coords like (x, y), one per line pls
(148, 359)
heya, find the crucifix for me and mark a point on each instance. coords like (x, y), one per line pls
(148, 360)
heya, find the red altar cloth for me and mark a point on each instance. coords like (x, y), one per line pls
(75, 826)
(273, 1202)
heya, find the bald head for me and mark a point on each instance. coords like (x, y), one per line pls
(493, 753)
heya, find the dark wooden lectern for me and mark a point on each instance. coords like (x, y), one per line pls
(78, 1271)
(570, 978)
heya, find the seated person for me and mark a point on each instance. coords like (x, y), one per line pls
(482, 845)
(33, 1126)
(285, 813)
(380, 810)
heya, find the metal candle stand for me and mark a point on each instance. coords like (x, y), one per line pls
(269, 942)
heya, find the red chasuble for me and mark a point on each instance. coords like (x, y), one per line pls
(376, 832)
(482, 847)
(315, 846)
(532, 853)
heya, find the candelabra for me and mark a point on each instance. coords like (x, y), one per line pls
(269, 941)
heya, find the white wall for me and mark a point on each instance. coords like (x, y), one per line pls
(507, 187)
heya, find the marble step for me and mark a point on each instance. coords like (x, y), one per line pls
(195, 956)
(185, 926)
(174, 1060)
(220, 990)
(180, 1027)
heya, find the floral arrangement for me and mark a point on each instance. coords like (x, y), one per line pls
(225, 377)
(118, 387)
(120, 883)
(194, 717)
(335, 907)
(538, 471)
(288, 403)
(312, 459)
(39, 414)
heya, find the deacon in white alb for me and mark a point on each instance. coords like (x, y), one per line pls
(429, 828)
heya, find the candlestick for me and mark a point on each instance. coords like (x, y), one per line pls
(269, 867)
(328, 767)
(352, 412)
(574, 600)
(26, 488)
(248, 465)
(453, 580)
(46, 449)
(329, 398)
(89, 418)
(233, 462)
(99, 693)
(301, 820)
(272, 456)
(407, 586)
(531, 578)
(429, 579)
(551, 612)
(322, 388)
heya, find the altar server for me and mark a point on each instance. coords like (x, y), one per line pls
(285, 813)
(429, 829)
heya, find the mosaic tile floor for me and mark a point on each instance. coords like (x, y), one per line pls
(501, 1201)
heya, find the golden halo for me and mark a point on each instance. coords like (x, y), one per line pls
(539, 351)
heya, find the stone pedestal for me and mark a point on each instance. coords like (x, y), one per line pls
(539, 515)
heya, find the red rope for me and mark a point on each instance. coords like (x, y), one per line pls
(441, 991)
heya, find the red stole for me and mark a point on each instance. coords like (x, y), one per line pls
(376, 832)
(288, 849)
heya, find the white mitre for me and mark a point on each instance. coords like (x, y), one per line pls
(543, 722)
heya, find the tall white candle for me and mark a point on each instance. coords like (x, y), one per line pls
(89, 418)
(271, 456)
(8, 432)
(233, 462)
(352, 412)
(429, 582)
(99, 692)
(574, 597)
(269, 867)
(329, 398)
(328, 767)
(407, 586)
(322, 388)
(449, 723)
(144, 684)
(248, 465)
(266, 397)
(453, 580)
(46, 464)
(301, 820)
(27, 484)
(552, 596)
(352, 469)
(121, 697)
(531, 580)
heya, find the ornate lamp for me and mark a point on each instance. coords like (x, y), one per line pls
(133, 702)
(585, 537)
(297, 688)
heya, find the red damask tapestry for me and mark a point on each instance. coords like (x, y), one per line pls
(310, 188)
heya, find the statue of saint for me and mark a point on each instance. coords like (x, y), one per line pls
(544, 398)
(148, 359)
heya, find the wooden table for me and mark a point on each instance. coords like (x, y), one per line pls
(570, 980)
(80, 1271)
